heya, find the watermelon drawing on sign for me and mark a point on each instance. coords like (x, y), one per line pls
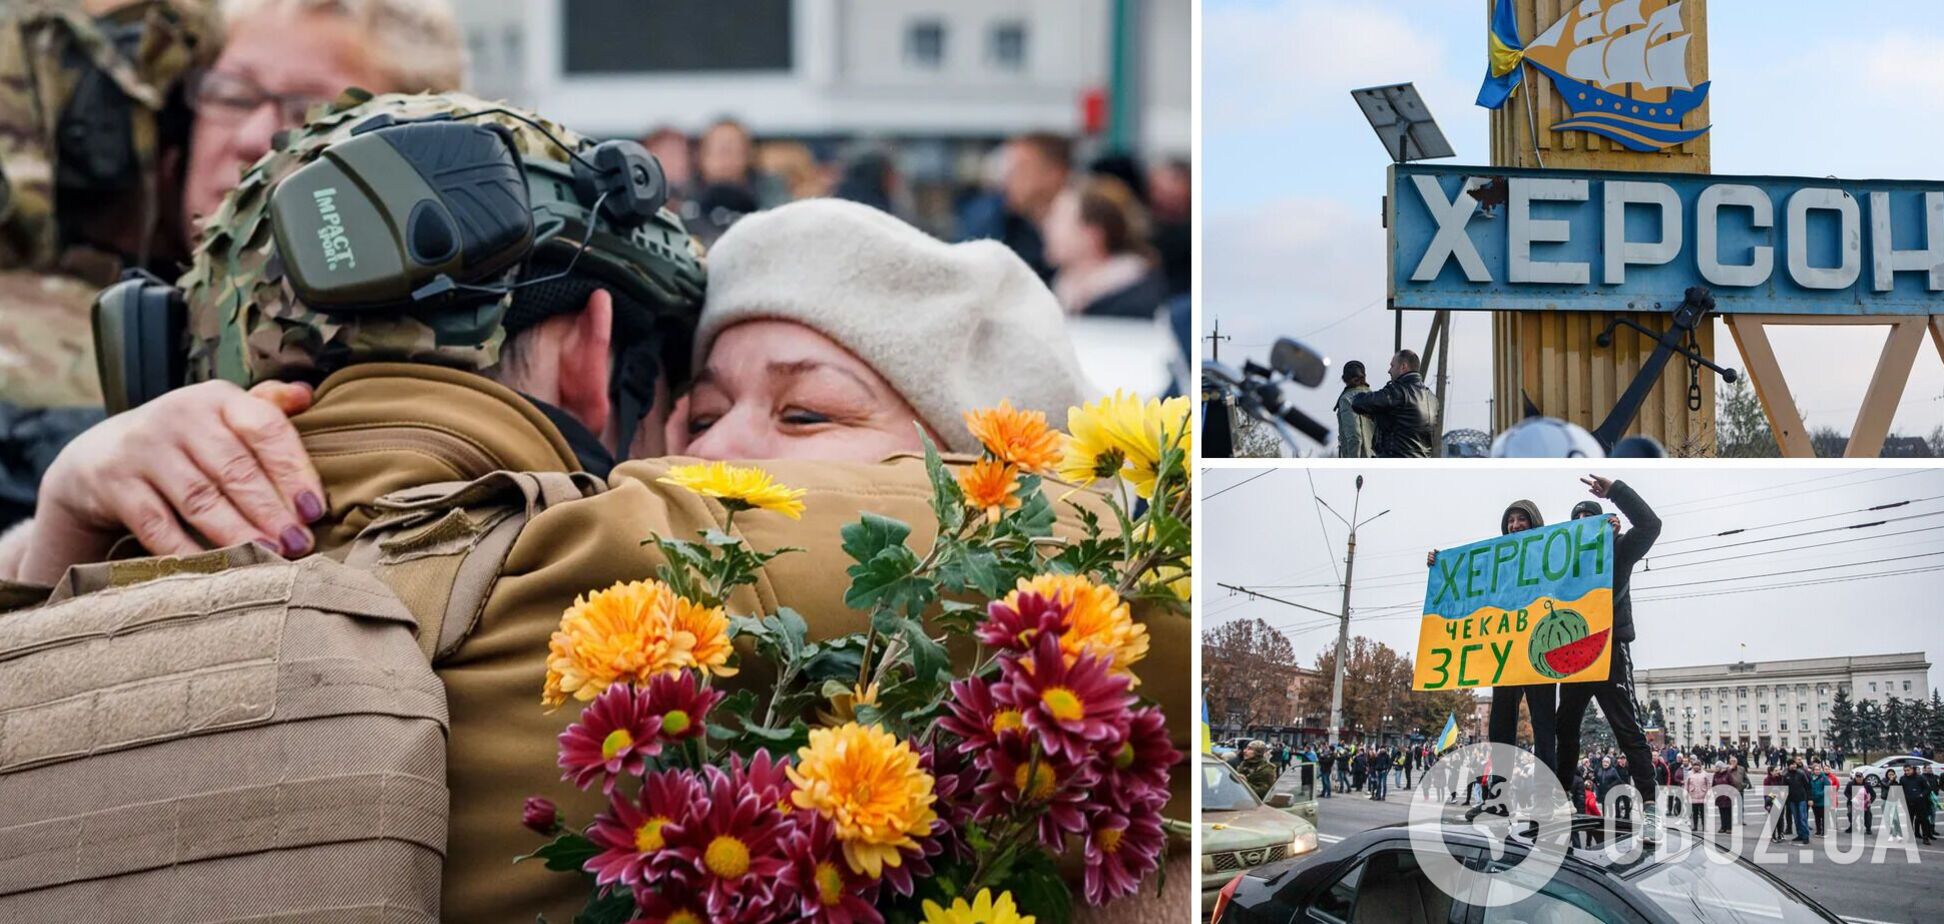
(1560, 629)
(1568, 660)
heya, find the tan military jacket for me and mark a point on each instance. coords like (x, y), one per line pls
(383, 427)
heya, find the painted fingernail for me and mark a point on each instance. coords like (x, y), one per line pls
(309, 507)
(296, 542)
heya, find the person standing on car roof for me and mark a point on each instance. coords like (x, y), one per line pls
(1616, 693)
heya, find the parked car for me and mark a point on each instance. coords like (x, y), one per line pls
(1874, 772)
(1373, 877)
(1239, 832)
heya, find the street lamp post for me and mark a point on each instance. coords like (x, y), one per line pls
(1343, 622)
(1690, 727)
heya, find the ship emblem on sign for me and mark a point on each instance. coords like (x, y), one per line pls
(1621, 67)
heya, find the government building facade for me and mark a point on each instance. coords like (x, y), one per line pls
(1773, 703)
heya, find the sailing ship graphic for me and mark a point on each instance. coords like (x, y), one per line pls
(1621, 68)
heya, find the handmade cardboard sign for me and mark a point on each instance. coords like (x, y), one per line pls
(1530, 607)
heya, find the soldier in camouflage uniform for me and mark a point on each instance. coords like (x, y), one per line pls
(404, 403)
(1256, 768)
(75, 215)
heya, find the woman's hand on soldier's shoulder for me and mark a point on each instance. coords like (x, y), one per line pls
(208, 460)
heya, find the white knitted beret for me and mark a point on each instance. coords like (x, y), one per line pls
(953, 327)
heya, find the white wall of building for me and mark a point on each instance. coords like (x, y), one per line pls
(1786, 702)
(854, 71)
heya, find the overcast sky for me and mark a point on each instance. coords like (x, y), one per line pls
(1292, 176)
(1697, 599)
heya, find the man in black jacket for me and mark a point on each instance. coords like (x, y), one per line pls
(1404, 412)
(1616, 693)
(1917, 795)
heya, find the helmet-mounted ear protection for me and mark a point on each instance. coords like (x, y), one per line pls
(138, 331)
(437, 214)
(440, 209)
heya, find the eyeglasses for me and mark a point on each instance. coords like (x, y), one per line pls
(235, 97)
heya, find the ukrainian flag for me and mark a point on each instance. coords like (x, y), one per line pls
(1507, 53)
(1448, 738)
(1207, 740)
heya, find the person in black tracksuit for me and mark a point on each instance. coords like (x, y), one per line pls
(1503, 725)
(1616, 693)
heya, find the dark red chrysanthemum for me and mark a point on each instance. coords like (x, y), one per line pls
(637, 837)
(614, 735)
(541, 815)
(1018, 778)
(1134, 769)
(954, 777)
(734, 846)
(976, 719)
(1019, 628)
(1121, 850)
(681, 702)
(765, 776)
(817, 884)
(1069, 710)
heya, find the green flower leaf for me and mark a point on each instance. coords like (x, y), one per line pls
(889, 581)
(928, 658)
(864, 539)
(615, 906)
(1038, 889)
(564, 854)
(948, 500)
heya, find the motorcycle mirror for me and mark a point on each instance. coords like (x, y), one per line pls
(1301, 364)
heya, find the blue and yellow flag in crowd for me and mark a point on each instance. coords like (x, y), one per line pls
(1507, 53)
(1207, 740)
(1448, 738)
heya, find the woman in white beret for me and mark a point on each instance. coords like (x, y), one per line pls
(833, 330)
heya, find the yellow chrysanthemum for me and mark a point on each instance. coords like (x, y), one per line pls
(707, 630)
(985, 909)
(1016, 437)
(990, 486)
(737, 487)
(1098, 621)
(843, 706)
(870, 787)
(1121, 436)
(629, 633)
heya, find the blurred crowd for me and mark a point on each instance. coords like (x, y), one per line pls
(1109, 233)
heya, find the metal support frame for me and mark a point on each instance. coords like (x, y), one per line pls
(1879, 406)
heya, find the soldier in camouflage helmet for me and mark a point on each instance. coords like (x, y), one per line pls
(248, 326)
(404, 401)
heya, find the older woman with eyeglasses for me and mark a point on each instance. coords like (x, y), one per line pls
(282, 57)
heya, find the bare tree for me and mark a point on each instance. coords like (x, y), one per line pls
(1246, 669)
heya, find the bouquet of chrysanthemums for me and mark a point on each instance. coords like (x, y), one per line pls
(879, 778)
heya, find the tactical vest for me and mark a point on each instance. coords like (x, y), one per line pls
(229, 736)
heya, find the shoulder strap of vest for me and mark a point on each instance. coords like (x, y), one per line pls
(441, 547)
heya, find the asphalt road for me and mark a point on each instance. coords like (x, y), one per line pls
(1898, 891)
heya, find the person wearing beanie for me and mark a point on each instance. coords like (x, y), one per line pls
(1354, 431)
(1502, 726)
(834, 330)
(1616, 693)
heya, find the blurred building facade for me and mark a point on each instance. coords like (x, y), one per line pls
(1775, 703)
(920, 70)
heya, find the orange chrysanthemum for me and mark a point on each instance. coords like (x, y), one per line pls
(870, 787)
(1098, 621)
(991, 486)
(629, 633)
(1016, 437)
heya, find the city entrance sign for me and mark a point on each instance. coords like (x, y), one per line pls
(1587, 240)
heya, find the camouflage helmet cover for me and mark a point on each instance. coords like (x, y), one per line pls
(46, 50)
(246, 324)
